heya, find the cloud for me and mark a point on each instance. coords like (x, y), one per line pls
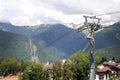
(34, 12)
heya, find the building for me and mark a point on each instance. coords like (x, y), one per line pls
(108, 70)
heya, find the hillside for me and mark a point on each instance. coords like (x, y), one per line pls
(54, 41)
(48, 53)
(108, 37)
(109, 52)
(23, 48)
(59, 36)
(62, 38)
(13, 45)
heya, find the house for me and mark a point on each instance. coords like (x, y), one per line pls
(109, 69)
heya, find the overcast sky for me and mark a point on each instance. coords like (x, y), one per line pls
(34, 12)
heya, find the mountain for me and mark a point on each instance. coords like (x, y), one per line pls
(109, 42)
(56, 41)
(27, 31)
(23, 48)
(63, 38)
(109, 52)
(57, 34)
(108, 37)
(13, 45)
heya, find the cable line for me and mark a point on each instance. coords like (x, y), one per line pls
(72, 30)
(108, 13)
(52, 42)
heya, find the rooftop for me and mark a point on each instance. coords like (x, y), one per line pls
(11, 77)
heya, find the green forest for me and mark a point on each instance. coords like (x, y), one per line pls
(109, 52)
(75, 67)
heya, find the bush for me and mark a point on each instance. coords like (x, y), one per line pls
(9, 66)
(32, 72)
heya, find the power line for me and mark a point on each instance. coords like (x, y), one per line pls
(72, 30)
(86, 46)
(108, 13)
(109, 20)
(65, 34)
(63, 45)
(54, 41)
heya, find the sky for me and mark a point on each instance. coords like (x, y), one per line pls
(35, 12)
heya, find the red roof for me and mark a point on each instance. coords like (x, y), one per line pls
(104, 69)
(11, 77)
(118, 66)
(110, 63)
(107, 66)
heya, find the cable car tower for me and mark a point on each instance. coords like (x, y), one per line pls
(91, 25)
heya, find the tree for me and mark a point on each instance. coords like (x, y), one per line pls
(68, 70)
(74, 68)
(46, 74)
(57, 70)
(113, 59)
(81, 62)
(103, 60)
(24, 64)
(9, 66)
(32, 72)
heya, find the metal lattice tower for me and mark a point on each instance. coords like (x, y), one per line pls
(91, 25)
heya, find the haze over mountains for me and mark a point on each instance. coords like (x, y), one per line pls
(50, 41)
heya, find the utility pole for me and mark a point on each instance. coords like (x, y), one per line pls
(91, 24)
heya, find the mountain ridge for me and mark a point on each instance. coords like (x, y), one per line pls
(56, 41)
